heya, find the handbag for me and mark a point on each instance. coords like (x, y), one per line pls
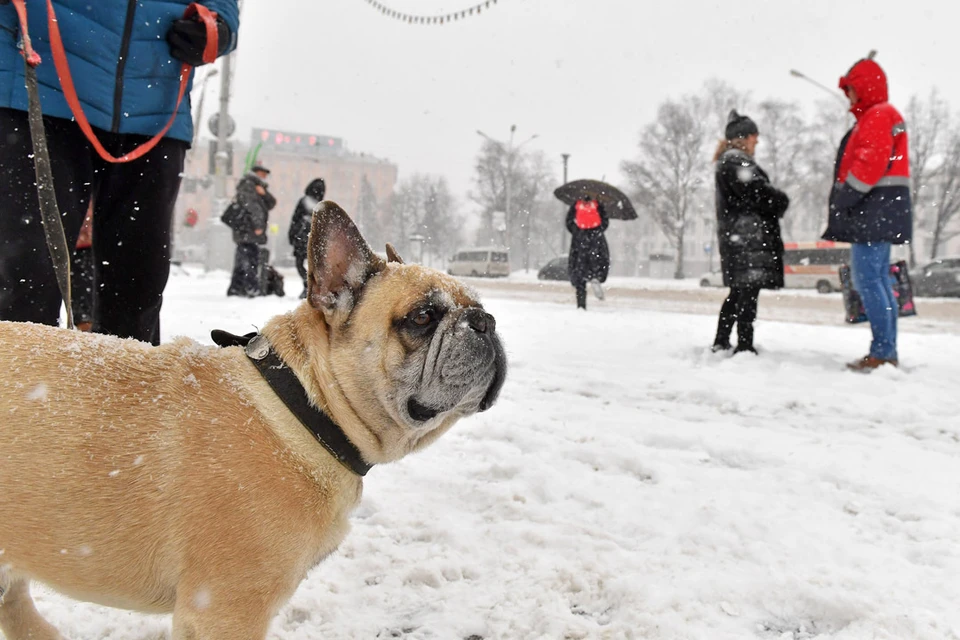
(902, 291)
(232, 215)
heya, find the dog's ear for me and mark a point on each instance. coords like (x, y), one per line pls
(340, 261)
(392, 255)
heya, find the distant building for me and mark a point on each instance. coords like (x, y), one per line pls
(294, 159)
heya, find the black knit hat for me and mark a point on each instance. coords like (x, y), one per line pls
(739, 126)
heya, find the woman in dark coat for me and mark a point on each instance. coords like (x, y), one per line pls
(589, 255)
(300, 226)
(749, 209)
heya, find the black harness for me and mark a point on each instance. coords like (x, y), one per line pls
(285, 384)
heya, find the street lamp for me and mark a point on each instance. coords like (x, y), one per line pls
(832, 92)
(563, 229)
(796, 74)
(510, 150)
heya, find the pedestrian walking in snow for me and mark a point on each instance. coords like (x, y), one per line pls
(252, 204)
(126, 59)
(749, 209)
(300, 226)
(589, 260)
(870, 203)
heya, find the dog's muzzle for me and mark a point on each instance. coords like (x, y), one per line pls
(471, 364)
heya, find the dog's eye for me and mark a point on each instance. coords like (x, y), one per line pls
(423, 317)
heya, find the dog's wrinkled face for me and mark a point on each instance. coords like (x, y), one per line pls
(410, 346)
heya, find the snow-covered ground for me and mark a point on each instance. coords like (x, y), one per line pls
(631, 484)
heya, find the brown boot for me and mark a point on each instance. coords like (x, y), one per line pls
(866, 364)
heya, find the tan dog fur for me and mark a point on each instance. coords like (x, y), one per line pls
(172, 479)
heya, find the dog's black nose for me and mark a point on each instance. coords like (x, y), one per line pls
(481, 321)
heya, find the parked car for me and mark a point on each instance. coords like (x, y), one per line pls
(556, 269)
(712, 279)
(938, 278)
(489, 262)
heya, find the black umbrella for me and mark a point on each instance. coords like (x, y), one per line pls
(616, 204)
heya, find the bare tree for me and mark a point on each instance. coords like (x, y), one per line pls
(423, 205)
(781, 153)
(534, 226)
(529, 175)
(818, 153)
(719, 97)
(671, 169)
(926, 124)
(440, 224)
(945, 196)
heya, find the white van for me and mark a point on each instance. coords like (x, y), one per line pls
(814, 265)
(490, 262)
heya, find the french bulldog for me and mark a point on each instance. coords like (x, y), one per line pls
(175, 478)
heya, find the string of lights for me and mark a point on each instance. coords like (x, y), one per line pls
(444, 18)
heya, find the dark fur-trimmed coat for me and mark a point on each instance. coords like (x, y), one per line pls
(749, 209)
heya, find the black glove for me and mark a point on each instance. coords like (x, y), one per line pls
(188, 38)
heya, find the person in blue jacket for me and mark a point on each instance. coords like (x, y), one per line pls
(125, 57)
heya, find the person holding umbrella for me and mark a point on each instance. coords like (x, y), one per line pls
(589, 254)
(749, 209)
(592, 205)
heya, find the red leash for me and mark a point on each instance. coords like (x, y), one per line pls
(209, 19)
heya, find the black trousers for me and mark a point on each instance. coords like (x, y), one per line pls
(739, 308)
(301, 259)
(246, 277)
(131, 225)
(81, 284)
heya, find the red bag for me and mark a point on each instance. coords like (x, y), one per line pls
(588, 214)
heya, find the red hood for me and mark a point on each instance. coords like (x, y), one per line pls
(869, 81)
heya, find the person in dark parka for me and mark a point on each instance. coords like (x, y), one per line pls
(250, 233)
(589, 259)
(300, 226)
(749, 209)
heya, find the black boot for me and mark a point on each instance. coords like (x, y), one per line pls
(728, 316)
(744, 338)
(582, 296)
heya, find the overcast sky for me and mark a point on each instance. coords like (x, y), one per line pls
(585, 75)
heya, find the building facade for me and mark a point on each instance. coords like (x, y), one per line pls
(360, 183)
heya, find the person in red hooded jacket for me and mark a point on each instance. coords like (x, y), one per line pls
(870, 203)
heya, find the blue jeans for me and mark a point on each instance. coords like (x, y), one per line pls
(870, 266)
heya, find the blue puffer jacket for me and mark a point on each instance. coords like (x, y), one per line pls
(119, 58)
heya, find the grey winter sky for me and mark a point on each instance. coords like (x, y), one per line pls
(585, 75)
